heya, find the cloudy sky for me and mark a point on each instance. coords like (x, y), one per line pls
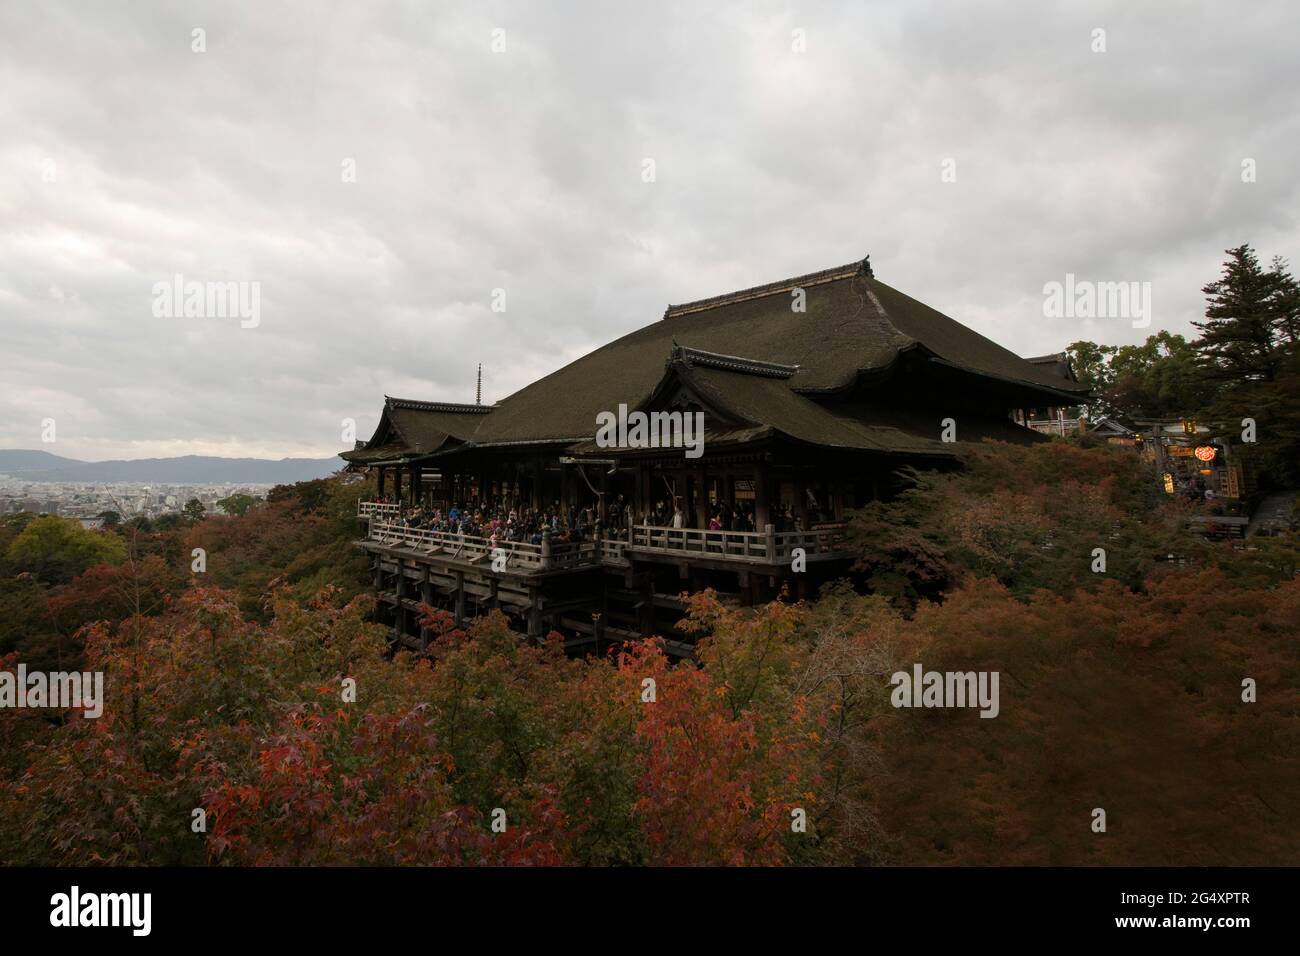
(503, 146)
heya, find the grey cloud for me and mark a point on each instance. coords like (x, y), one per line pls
(522, 170)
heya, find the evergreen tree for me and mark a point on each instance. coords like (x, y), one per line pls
(1237, 343)
(1250, 356)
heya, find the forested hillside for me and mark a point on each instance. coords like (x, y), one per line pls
(257, 692)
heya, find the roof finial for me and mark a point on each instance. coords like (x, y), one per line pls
(866, 266)
(478, 389)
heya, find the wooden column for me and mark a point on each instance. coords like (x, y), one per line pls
(534, 614)
(460, 598)
(399, 611)
(701, 498)
(383, 475)
(636, 506)
(762, 491)
(426, 596)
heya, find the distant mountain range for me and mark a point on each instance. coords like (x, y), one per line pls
(188, 469)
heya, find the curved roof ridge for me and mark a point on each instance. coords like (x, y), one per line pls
(422, 406)
(770, 288)
(731, 363)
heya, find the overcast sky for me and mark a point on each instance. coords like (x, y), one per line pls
(127, 158)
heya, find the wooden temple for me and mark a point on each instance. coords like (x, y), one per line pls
(815, 391)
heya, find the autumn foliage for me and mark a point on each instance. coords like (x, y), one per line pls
(279, 711)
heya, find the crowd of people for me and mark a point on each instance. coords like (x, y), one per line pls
(500, 521)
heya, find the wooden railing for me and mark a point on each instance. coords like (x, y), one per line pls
(613, 550)
(377, 509)
(505, 555)
(764, 547)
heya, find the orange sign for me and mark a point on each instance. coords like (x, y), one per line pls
(1206, 452)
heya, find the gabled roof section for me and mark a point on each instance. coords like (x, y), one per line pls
(1058, 363)
(758, 399)
(748, 400)
(409, 428)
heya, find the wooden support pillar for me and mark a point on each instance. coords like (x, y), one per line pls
(460, 598)
(762, 493)
(416, 486)
(534, 615)
(494, 600)
(646, 615)
(426, 596)
(701, 498)
(383, 474)
(399, 611)
(637, 504)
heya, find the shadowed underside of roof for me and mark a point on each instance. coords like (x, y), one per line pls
(763, 400)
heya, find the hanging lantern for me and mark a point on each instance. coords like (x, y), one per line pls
(1169, 483)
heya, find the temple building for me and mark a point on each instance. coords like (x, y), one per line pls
(812, 393)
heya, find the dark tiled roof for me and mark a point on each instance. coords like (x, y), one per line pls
(390, 451)
(1058, 363)
(851, 324)
(409, 427)
(757, 399)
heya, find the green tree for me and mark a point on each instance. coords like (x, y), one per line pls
(194, 511)
(1242, 318)
(237, 504)
(58, 549)
(1250, 358)
(1091, 364)
(1157, 379)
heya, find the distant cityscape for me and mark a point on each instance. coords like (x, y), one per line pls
(87, 501)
